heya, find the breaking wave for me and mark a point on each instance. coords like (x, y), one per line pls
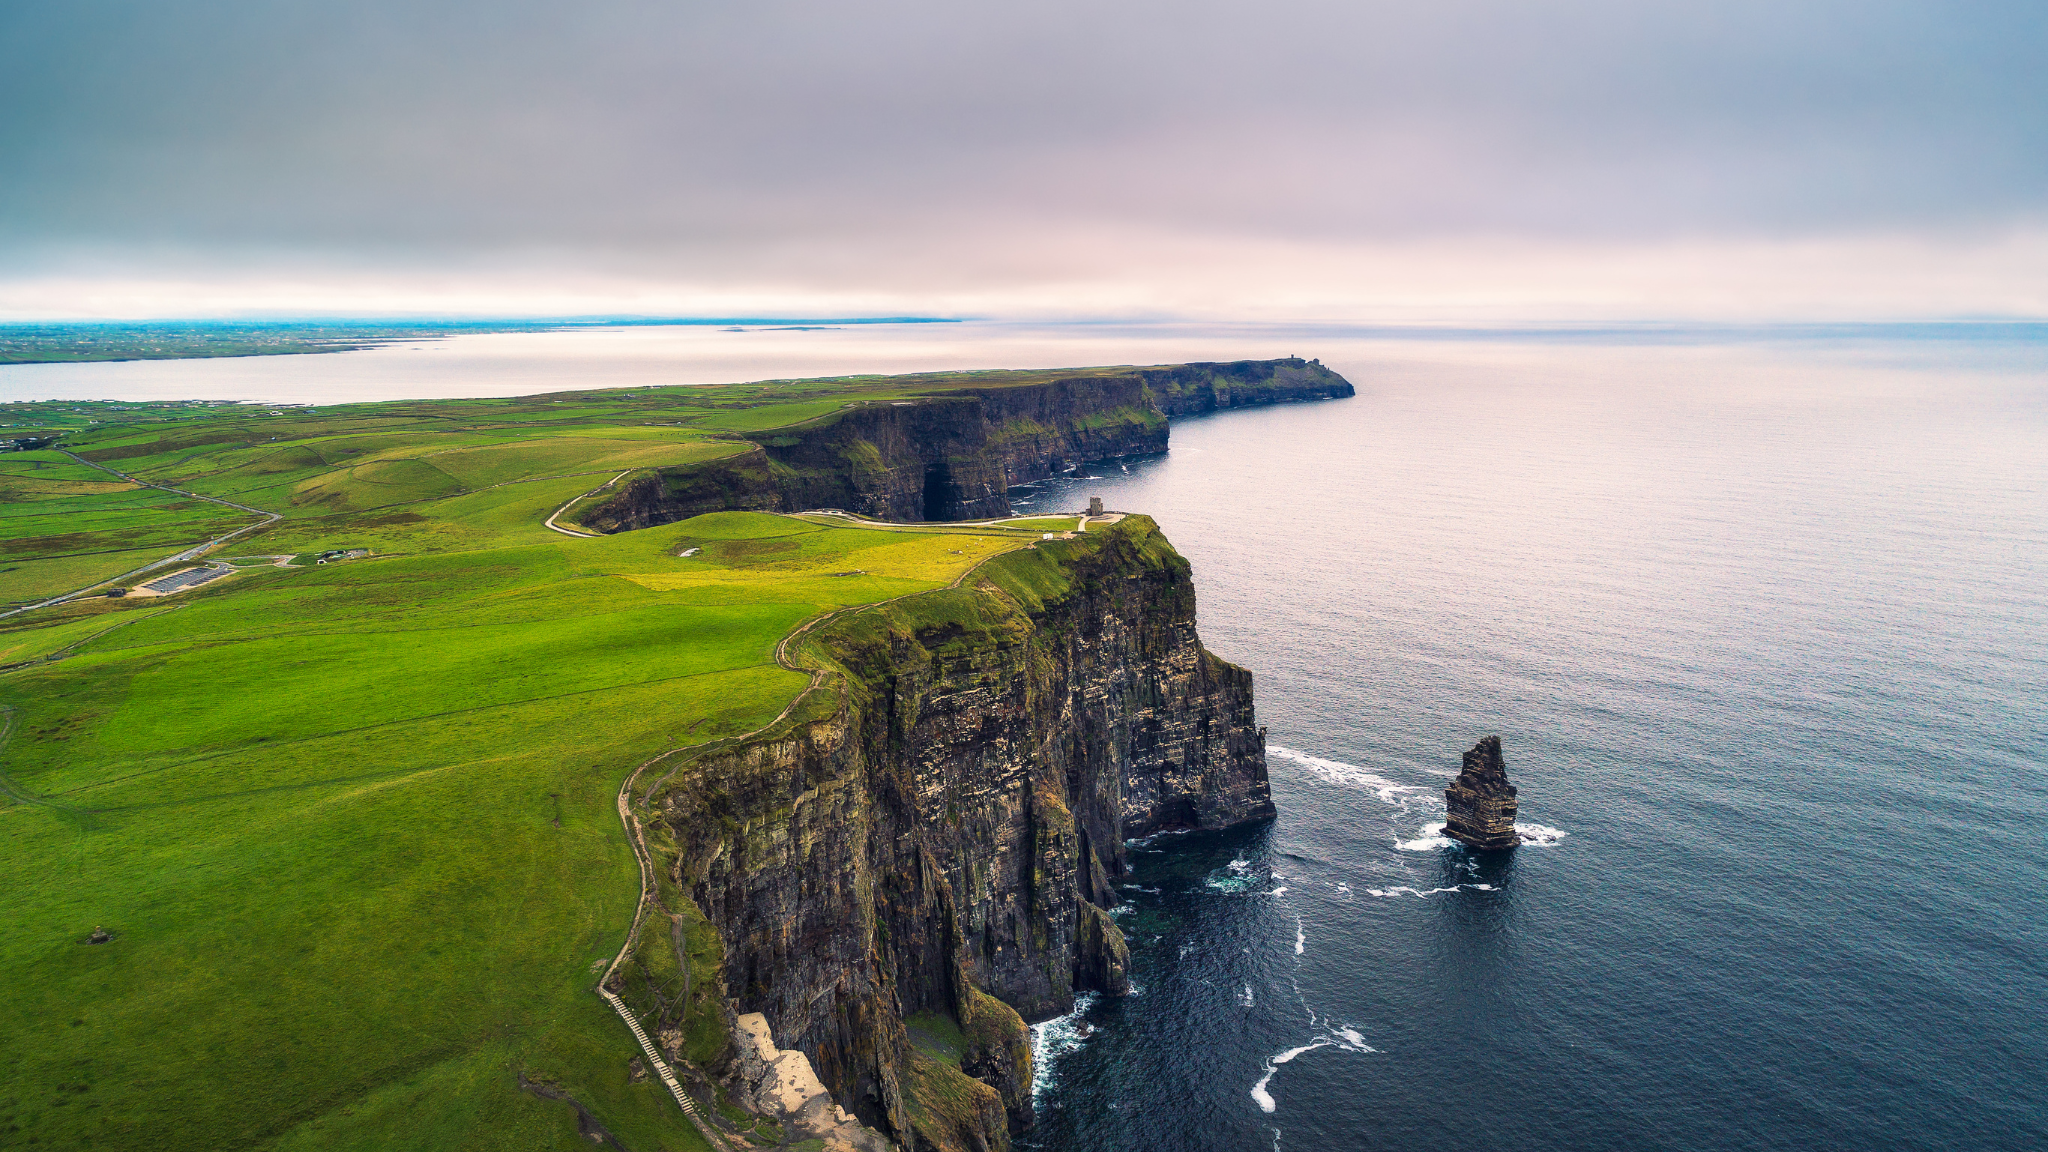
(1428, 838)
(1054, 1038)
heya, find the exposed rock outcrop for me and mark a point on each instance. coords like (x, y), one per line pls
(953, 454)
(947, 836)
(1480, 803)
(782, 1086)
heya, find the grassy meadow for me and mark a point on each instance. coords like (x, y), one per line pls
(351, 826)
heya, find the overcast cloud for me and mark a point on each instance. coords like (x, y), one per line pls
(527, 155)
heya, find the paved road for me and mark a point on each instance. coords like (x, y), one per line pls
(191, 553)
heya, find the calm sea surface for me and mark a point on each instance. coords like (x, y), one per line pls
(1765, 633)
(1761, 620)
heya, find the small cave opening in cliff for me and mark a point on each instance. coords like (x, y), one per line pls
(939, 503)
(1177, 815)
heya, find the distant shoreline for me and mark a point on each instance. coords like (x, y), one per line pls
(93, 342)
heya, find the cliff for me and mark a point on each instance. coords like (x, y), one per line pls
(1187, 389)
(938, 833)
(954, 453)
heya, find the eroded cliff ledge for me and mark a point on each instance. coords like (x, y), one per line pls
(953, 452)
(939, 832)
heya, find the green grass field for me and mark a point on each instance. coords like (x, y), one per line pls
(352, 826)
(64, 525)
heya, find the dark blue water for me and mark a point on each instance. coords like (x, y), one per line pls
(1765, 632)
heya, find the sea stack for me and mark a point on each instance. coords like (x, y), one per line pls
(1480, 803)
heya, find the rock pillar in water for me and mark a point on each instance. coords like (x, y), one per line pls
(1480, 803)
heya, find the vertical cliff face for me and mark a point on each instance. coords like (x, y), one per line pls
(943, 841)
(954, 454)
(1186, 389)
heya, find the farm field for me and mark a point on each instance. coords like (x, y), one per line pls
(351, 827)
(64, 524)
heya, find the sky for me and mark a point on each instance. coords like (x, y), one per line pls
(1453, 160)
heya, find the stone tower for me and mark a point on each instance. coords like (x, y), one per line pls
(1480, 803)
(1095, 505)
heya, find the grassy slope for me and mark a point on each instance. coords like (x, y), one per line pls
(66, 525)
(319, 812)
(352, 826)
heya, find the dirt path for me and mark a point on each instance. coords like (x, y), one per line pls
(550, 521)
(192, 553)
(785, 653)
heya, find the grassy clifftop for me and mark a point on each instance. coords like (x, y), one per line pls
(391, 475)
(350, 828)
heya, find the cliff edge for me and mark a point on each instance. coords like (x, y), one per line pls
(950, 448)
(937, 834)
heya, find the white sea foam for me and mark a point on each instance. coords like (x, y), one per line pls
(1351, 775)
(1540, 835)
(1346, 1039)
(1425, 893)
(1054, 1038)
(1144, 843)
(1428, 838)
(1246, 998)
(1259, 1093)
(1280, 891)
(1238, 879)
(1300, 936)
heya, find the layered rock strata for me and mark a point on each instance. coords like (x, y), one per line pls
(1480, 803)
(944, 835)
(954, 454)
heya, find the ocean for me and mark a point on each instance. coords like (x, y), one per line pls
(1763, 628)
(1761, 618)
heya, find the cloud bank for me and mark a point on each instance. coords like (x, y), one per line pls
(1467, 157)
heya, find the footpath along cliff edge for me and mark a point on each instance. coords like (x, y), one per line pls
(939, 831)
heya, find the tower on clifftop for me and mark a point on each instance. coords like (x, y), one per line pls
(1095, 505)
(1480, 803)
